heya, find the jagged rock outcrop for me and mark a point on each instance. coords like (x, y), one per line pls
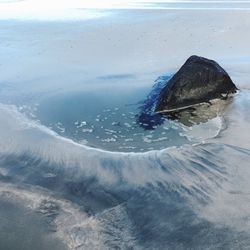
(198, 80)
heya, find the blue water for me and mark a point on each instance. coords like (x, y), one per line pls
(81, 168)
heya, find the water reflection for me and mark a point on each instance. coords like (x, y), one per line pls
(111, 122)
(199, 114)
(117, 122)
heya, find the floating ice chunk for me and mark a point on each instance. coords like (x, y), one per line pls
(60, 127)
(110, 131)
(49, 175)
(161, 139)
(129, 139)
(87, 130)
(147, 139)
(109, 140)
(116, 124)
(127, 125)
(127, 147)
(83, 123)
(83, 142)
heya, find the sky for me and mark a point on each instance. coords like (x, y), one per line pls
(63, 9)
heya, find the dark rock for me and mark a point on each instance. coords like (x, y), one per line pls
(199, 80)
